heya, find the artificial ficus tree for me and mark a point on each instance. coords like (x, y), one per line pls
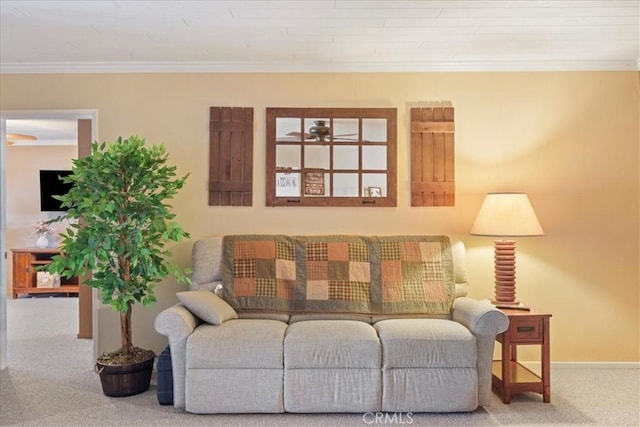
(120, 224)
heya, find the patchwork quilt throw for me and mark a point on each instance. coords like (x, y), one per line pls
(339, 274)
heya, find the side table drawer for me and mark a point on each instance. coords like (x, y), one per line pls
(524, 330)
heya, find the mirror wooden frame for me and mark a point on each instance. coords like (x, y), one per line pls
(306, 187)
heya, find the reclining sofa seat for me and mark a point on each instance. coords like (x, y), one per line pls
(271, 362)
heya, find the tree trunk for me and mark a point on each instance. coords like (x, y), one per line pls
(125, 317)
(125, 331)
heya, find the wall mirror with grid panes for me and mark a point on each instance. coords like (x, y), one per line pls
(331, 156)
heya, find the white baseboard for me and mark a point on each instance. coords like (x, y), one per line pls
(535, 366)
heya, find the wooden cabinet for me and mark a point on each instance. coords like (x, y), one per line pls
(25, 269)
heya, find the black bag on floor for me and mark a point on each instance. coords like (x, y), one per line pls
(165, 378)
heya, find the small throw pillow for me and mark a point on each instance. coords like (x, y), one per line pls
(207, 306)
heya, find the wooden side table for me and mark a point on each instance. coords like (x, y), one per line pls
(510, 377)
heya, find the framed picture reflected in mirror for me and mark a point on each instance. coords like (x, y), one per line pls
(375, 192)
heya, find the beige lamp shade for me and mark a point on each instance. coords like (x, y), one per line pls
(506, 215)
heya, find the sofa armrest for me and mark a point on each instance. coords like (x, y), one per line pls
(480, 317)
(177, 323)
(485, 322)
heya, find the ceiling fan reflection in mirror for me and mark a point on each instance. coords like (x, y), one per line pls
(13, 137)
(321, 131)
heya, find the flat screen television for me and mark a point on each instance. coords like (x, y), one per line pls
(51, 185)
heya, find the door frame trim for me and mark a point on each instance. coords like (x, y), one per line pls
(31, 114)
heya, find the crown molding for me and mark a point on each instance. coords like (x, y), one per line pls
(333, 67)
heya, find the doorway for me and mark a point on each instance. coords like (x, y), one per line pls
(87, 122)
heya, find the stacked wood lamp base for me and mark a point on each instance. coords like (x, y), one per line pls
(505, 272)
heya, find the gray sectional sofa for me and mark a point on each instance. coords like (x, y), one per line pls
(330, 324)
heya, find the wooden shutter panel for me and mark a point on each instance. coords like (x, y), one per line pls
(231, 156)
(432, 157)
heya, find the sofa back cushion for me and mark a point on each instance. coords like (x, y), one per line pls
(339, 274)
(206, 259)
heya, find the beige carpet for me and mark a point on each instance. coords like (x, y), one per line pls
(50, 382)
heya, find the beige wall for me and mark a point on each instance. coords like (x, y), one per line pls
(570, 140)
(23, 194)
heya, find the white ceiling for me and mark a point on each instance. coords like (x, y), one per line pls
(47, 131)
(318, 35)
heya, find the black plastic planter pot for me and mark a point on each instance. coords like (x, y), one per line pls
(125, 380)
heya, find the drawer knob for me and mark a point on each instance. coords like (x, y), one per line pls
(526, 328)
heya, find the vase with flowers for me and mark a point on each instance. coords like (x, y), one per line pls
(41, 229)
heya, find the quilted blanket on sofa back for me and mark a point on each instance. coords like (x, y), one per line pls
(339, 274)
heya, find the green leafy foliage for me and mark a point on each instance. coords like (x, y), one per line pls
(120, 224)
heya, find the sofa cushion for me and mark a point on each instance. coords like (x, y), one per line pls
(430, 390)
(426, 343)
(263, 315)
(332, 390)
(331, 344)
(238, 390)
(207, 306)
(237, 343)
(379, 318)
(329, 316)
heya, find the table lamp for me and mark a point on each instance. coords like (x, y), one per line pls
(506, 215)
